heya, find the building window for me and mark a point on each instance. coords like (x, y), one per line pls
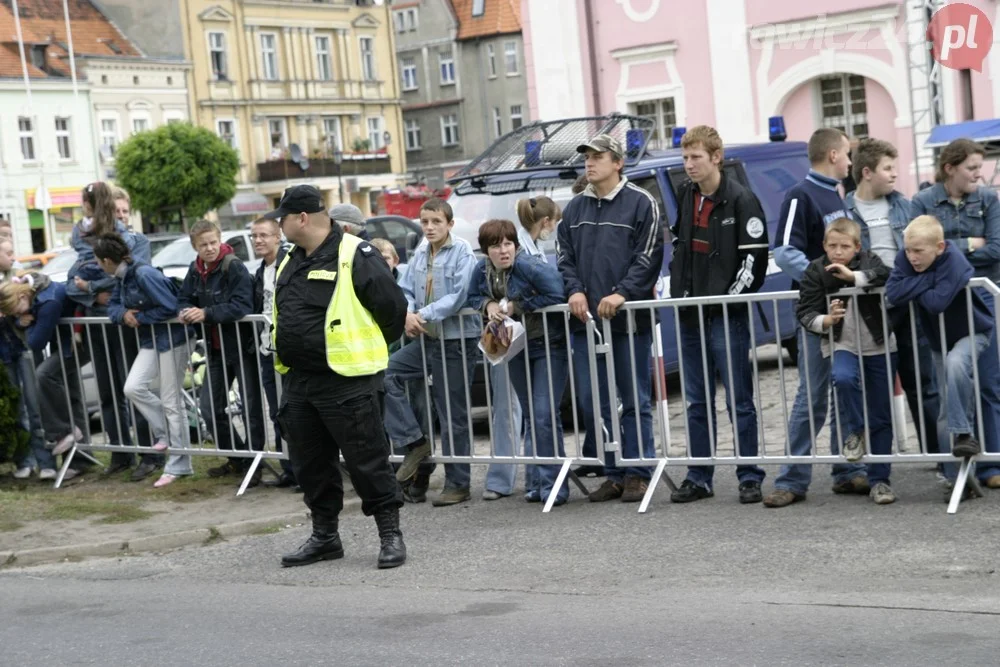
(664, 118)
(405, 19)
(516, 117)
(510, 58)
(491, 60)
(331, 134)
(449, 130)
(411, 19)
(324, 67)
(368, 58)
(497, 122)
(26, 130)
(279, 138)
(226, 129)
(269, 56)
(170, 80)
(109, 136)
(376, 139)
(409, 70)
(62, 139)
(217, 53)
(843, 104)
(140, 124)
(478, 7)
(400, 21)
(412, 135)
(447, 68)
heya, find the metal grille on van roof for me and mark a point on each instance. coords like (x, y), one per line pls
(543, 154)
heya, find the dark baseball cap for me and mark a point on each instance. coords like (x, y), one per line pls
(602, 143)
(297, 199)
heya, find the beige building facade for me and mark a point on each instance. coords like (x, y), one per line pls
(305, 92)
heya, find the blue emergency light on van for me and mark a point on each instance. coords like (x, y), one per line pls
(776, 128)
(532, 153)
(635, 141)
(677, 135)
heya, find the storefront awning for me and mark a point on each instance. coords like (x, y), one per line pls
(244, 204)
(986, 132)
(57, 198)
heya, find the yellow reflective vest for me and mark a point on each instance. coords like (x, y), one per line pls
(354, 342)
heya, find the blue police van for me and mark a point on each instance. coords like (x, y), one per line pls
(541, 159)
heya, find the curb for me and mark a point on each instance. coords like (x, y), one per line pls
(165, 542)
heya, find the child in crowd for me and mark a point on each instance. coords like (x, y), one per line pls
(935, 274)
(860, 345)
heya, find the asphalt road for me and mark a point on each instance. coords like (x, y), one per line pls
(834, 580)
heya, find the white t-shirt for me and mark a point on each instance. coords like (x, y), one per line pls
(876, 216)
(270, 273)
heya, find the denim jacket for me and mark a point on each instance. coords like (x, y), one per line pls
(978, 215)
(144, 288)
(900, 214)
(98, 281)
(452, 273)
(533, 284)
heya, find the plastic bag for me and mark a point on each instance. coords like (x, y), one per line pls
(502, 341)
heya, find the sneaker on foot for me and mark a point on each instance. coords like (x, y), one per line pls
(47, 473)
(164, 480)
(635, 489)
(64, 445)
(690, 492)
(750, 492)
(881, 494)
(782, 498)
(965, 446)
(451, 496)
(22, 473)
(226, 469)
(415, 455)
(854, 447)
(991, 482)
(856, 485)
(609, 490)
(70, 474)
(493, 495)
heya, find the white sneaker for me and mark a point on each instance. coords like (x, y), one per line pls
(70, 474)
(47, 473)
(64, 445)
(854, 447)
(22, 473)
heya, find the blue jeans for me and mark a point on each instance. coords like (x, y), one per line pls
(546, 433)
(711, 338)
(846, 376)
(814, 393)
(508, 430)
(22, 375)
(450, 373)
(629, 437)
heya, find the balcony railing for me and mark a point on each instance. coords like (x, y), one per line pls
(283, 170)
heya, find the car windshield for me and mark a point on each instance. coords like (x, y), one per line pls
(61, 263)
(475, 209)
(176, 253)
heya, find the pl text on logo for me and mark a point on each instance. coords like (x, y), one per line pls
(961, 36)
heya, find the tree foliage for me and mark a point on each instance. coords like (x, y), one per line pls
(177, 166)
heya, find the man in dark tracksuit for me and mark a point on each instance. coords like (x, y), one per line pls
(218, 292)
(335, 306)
(720, 248)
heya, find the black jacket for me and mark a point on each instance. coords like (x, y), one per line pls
(739, 244)
(227, 297)
(302, 303)
(258, 279)
(817, 283)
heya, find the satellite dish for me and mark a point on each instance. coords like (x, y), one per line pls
(298, 158)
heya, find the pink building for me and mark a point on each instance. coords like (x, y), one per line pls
(734, 63)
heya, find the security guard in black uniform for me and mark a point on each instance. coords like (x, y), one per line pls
(335, 305)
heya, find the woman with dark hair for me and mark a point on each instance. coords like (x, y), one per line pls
(145, 299)
(90, 287)
(969, 211)
(510, 283)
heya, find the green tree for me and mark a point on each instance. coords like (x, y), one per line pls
(177, 167)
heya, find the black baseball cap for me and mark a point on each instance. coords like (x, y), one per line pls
(298, 199)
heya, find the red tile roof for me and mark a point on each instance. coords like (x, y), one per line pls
(501, 17)
(43, 22)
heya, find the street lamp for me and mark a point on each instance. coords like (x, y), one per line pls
(338, 159)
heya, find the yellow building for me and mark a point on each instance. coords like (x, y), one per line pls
(307, 92)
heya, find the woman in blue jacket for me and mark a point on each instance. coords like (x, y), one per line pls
(510, 283)
(146, 299)
(37, 303)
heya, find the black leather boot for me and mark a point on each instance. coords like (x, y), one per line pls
(415, 490)
(323, 544)
(393, 551)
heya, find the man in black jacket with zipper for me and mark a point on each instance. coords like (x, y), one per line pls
(720, 248)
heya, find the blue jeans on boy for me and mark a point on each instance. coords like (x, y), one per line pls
(624, 375)
(711, 337)
(545, 435)
(846, 377)
(450, 373)
(508, 430)
(22, 374)
(814, 374)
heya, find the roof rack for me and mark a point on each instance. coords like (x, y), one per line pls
(543, 154)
